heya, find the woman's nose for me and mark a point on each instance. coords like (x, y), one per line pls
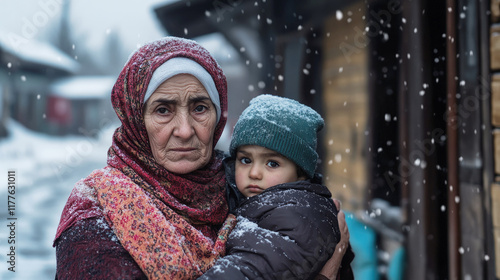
(183, 127)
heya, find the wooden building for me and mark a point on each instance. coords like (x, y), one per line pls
(26, 73)
(495, 125)
(80, 105)
(410, 92)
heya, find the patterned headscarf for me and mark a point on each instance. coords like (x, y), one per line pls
(195, 196)
(174, 225)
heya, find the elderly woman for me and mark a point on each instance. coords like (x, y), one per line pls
(158, 209)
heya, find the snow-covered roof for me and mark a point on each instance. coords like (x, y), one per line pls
(37, 52)
(83, 87)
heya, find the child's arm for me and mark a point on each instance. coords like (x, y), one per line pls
(254, 253)
(294, 238)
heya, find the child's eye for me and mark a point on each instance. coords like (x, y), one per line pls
(245, 160)
(273, 164)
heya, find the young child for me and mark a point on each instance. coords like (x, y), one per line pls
(287, 223)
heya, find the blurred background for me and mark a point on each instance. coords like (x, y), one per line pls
(409, 92)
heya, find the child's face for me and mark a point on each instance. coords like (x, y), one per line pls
(258, 168)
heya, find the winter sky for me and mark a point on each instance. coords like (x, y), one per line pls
(135, 21)
(91, 21)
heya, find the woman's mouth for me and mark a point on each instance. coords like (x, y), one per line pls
(182, 150)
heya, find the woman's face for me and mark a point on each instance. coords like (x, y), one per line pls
(180, 120)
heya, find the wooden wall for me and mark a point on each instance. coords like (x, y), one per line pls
(345, 78)
(495, 122)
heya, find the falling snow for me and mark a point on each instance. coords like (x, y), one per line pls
(339, 15)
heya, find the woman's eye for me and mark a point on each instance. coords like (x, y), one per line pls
(200, 108)
(273, 164)
(162, 110)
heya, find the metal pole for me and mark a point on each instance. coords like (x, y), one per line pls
(454, 268)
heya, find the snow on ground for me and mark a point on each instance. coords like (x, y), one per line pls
(46, 168)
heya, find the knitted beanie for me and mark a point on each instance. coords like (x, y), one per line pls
(282, 125)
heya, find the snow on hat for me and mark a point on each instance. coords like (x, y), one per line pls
(182, 65)
(282, 125)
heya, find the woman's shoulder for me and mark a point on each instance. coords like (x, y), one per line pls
(82, 202)
(83, 187)
(105, 172)
(90, 249)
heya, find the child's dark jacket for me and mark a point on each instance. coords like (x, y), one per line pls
(288, 231)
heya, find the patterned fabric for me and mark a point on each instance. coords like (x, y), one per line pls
(169, 223)
(161, 242)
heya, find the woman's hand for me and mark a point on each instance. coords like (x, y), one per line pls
(332, 266)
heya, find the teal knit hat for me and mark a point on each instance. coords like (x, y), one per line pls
(282, 125)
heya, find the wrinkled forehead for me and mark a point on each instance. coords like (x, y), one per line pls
(180, 65)
(179, 89)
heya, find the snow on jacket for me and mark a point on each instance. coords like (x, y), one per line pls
(288, 231)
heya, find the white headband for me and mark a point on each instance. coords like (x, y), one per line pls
(182, 65)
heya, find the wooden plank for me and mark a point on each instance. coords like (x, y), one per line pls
(496, 233)
(495, 204)
(345, 81)
(472, 231)
(495, 10)
(495, 47)
(496, 148)
(495, 99)
(351, 195)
